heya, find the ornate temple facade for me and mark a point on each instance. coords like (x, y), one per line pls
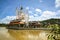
(22, 20)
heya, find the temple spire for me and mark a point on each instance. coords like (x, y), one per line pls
(16, 13)
(21, 8)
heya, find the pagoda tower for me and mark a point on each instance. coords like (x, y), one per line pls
(22, 16)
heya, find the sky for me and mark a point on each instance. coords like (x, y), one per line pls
(38, 10)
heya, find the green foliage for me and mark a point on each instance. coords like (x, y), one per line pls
(3, 25)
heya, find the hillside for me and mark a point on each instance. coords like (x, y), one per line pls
(52, 21)
(3, 25)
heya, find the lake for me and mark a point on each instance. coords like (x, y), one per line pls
(10, 34)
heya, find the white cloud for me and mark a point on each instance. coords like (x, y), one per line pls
(58, 11)
(34, 19)
(47, 15)
(30, 11)
(38, 10)
(40, 1)
(7, 19)
(57, 3)
(27, 8)
(57, 17)
(44, 16)
(31, 16)
(35, 15)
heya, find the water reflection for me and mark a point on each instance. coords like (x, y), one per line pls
(6, 34)
(29, 34)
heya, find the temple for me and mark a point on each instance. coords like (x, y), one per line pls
(22, 20)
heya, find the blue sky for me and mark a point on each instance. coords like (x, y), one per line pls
(37, 9)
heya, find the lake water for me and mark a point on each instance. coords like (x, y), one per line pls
(6, 34)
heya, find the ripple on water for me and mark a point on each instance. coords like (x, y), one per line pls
(4, 35)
